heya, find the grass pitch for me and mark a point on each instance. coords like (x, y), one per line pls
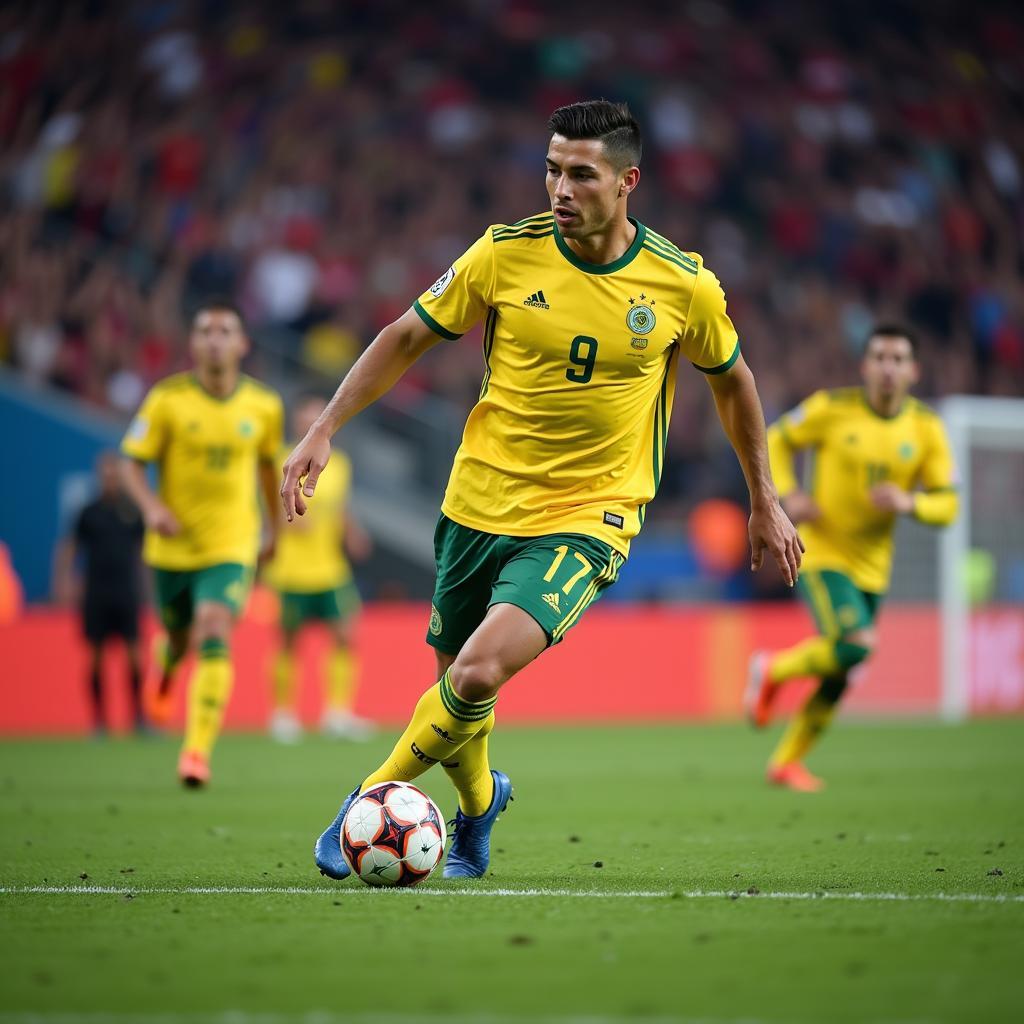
(642, 873)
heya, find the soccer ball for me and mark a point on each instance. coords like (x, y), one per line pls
(393, 835)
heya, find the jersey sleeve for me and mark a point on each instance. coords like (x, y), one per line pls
(460, 297)
(937, 504)
(272, 441)
(709, 340)
(805, 425)
(147, 433)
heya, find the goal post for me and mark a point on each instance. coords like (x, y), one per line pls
(981, 555)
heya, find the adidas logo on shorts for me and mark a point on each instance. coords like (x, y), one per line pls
(552, 600)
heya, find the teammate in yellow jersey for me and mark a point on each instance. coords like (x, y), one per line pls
(586, 314)
(314, 583)
(878, 454)
(213, 434)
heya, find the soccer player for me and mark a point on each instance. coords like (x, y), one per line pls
(586, 314)
(212, 434)
(108, 536)
(878, 454)
(314, 582)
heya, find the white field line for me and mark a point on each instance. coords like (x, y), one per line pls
(331, 1017)
(639, 894)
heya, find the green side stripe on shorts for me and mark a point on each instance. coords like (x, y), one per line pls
(461, 709)
(822, 603)
(607, 575)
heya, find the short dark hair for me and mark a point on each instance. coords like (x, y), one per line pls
(612, 123)
(220, 304)
(893, 330)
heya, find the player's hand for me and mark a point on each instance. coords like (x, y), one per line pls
(892, 498)
(771, 530)
(303, 467)
(160, 519)
(801, 507)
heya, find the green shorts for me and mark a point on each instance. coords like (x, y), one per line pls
(178, 592)
(554, 579)
(319, 606)
(838, 605)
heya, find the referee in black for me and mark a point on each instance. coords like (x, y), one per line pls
(108, 539)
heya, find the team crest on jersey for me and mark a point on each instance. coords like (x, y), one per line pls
(245, 428)
(906, 450)
(435, 621)
(640, 319)
(438, 287)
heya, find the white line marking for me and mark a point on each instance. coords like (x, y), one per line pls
(640, 894)
(329, 1017)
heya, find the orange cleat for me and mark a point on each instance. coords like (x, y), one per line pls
(193, 769)
(158, 705)
(793, 775)
(761, 691)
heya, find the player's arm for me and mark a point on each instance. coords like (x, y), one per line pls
(374, 373)
(782, 449)
(271, 509)
(739, 409)
(453, 304)
(63, 585)
(156, 515)
(937, 502)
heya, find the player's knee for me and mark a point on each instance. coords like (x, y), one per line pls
(854, 648)
(832, 688)
(213, 622)
(477, 678)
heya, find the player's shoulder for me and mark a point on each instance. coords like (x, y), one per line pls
(259, 391)
(523, 232)
(689, 264)
(926, 418)
(174, 383)
(843, 398)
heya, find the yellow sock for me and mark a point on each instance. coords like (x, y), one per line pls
(284, 679)
(470, 772)
(208, 697)
(341, 675)
(440, 725)
(813, 657)
(804, 730)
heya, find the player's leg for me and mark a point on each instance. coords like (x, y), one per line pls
(467, 563)
(93, 626)
(846, 607)
(340, 608)
(99, 721)
(544, 587)
(817, 657)
(173, 594)
(284, 722)
(220, 594)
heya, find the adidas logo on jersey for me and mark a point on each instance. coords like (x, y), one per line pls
(537, 300)
(552, 600)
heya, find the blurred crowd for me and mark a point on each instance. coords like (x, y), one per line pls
(322, 163)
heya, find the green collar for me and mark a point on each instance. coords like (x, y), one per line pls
(874, 412)
(603, 268)
(209, 394)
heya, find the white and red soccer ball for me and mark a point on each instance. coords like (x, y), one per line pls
(393, 835)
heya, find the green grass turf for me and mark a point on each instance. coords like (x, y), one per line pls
(911, 808)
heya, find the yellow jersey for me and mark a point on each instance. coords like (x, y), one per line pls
(310, 557)
(580, 364)
(855, 449)
(206, 450)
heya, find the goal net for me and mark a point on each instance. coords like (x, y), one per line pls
(980, 578)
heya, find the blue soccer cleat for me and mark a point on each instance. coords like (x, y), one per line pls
(327, 852)
(470, 852)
